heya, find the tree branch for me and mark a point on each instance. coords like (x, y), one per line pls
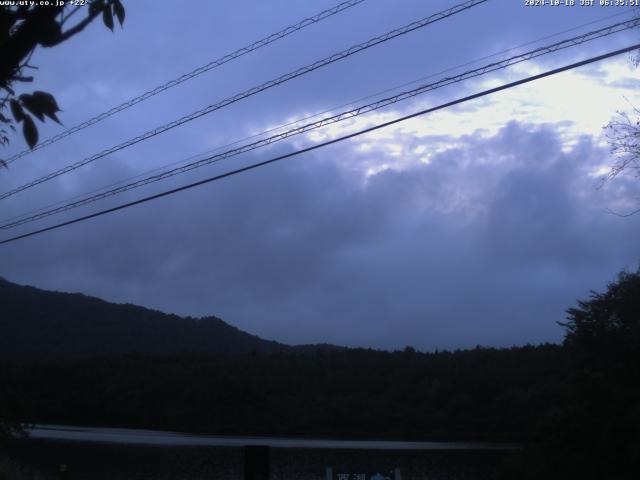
(74, 30)
(79, 26)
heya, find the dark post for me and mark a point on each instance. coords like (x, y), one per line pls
(256, 462)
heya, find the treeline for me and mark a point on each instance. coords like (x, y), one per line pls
(483, 393)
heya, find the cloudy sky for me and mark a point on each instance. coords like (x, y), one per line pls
(480, 224)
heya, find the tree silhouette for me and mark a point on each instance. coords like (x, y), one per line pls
(23, 28)
(592, 430)
(604, 332)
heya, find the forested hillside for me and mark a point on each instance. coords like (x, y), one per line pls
(38, 325)
(475, 394)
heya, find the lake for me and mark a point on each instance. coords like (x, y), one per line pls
(119, 454)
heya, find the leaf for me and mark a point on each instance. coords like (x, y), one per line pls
(107, 18)
(16, 110)
(47, 104)
(53, 117)
(48, 100)
(118, 9)
(31, 104)
(30, 131)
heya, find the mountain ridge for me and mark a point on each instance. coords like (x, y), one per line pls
(43, 325)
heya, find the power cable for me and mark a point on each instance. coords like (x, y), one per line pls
(492, 67)
(252, 91)
(188, 76)
(327, 143)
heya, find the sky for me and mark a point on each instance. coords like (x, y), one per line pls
(479, 224)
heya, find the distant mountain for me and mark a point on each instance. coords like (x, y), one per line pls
(42, 325)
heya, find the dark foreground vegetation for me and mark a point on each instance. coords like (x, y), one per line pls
(482, 393)
(576, 407)
(591, 430)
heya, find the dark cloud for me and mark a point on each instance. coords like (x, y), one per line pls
(458, 252)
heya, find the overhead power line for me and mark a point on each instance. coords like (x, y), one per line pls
(308, 117)
(327, 143)
(252, 91)
(349, 114)
(299, 121)
(192, 74)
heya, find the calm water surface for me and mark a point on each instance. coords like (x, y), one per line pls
(124, 454)
(151, 437)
